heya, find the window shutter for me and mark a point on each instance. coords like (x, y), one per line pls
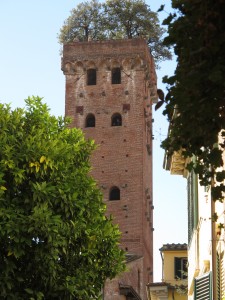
(220, 276)
(203, 287)
(190, 197)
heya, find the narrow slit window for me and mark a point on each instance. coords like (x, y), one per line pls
(116, 75)
(90, 120)
(91, 77)
(116, 120)
(114, 193)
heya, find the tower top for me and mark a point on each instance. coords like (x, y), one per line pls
(128, 53)
(106, 47)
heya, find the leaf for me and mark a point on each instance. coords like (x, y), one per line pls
(42, 159)
(29, 291)
(161, 8)
(221, 225)
(37, 168)
(159, 104)
(214, 217)
(10, 253)
(160, 94)
(168, 96)
(220, 176)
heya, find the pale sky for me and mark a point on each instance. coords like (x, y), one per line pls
(30, 64)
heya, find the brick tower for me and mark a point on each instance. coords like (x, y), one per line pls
(110, 88)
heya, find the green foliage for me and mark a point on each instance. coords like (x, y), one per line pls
(85, 22)
(196, 103)
(56, 242)
(181, 289)
(115, 19)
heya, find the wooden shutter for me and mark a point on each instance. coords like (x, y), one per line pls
(222, 277)
(220, 280)
(203, 287)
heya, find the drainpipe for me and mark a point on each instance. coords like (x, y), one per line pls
(162, 278)
(213, 236)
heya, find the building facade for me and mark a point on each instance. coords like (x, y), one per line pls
(110, 89)
(174, 274)
(206, 236)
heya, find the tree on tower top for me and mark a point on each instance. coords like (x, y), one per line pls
(117, 19)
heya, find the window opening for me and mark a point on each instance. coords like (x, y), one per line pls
(91, 77)
(90, 120)
(116, 120)
(116, 76)
(139, 281)
(180, 267)
(80, 110)
(114, 193)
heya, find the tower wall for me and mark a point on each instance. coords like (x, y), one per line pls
(123, 158)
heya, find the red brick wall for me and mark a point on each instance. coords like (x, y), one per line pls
(124, 155)
(132, 277)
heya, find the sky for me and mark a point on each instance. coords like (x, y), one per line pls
(30, 64)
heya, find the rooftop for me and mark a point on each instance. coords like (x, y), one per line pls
(131, 257)
(171, 247)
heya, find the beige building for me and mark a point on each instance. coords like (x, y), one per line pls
(206, 237)
(174, 274)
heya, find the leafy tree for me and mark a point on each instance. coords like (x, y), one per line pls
(56, 242)
(115, 19)
(85, 22)
(133, 19)
(195, 103)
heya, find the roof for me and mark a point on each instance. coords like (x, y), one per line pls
(172, 247)
(132, 257)
(157, 284)
(127, 290)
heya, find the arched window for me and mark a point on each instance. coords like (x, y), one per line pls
(116, 120)
(116, 76)
(90, 121)
(91, 77)
(114, 193)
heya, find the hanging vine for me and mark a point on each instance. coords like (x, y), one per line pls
(196, 91)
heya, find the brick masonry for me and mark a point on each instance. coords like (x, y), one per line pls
(124, 155)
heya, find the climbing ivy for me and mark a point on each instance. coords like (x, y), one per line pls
(195, 102)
